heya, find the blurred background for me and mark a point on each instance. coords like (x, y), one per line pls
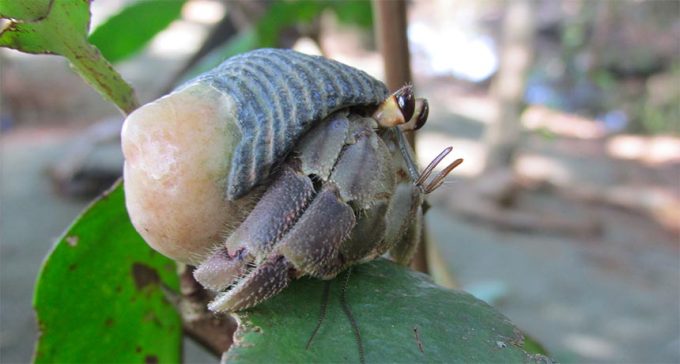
(565, 215)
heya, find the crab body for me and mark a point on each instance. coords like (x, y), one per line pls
(343, 197)
(272, 166)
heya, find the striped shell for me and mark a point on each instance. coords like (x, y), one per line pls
(279, 94)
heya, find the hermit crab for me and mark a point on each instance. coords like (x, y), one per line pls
(273, 166)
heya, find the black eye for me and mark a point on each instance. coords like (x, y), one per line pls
(406, 102)
(422, 117)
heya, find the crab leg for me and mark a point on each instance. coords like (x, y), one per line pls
(265, 281)
(221, 269)
(270, 219)
(313, 244)
(279, 208)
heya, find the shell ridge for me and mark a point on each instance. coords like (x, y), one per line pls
(329, 87)
(261, 150)
(278, 95)
(240, 173)
(287, 95)
(311, 110)
(345, 86)
(272, 85)
(305, 113)
(365, 88)
(284, 104)
(319, 94)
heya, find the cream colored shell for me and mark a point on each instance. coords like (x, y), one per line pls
(177, 158)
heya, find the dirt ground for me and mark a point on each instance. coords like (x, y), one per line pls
(609, 295)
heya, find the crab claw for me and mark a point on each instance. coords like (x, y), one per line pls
(266, 280)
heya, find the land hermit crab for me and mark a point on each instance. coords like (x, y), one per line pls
(273, 166)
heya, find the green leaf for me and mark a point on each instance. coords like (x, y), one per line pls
(358, 12)
(402, 317)
(99, 296)
(240, 43)
(27, 10)
(64, 31)
(282, 14)
(132, 28)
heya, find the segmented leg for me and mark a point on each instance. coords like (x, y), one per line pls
(370, 227)
(282, 204)
(275, 213)
(266, 280)
(405, 212)
(405, 248)
(313, 244)
(221, 269)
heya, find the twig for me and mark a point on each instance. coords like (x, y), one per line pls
(212, 331)
(391, 24)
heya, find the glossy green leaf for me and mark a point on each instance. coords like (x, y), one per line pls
(128, 31)
(64, 31)
(100, 296)
(402, 316)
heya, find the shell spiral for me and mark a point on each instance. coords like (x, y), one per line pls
(279, 94)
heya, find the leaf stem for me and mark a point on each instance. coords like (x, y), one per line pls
(98, 72)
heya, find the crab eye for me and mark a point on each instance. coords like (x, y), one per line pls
(422, 116)
(406, 101)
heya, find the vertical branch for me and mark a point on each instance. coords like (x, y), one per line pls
(503, 136)
(390, 27)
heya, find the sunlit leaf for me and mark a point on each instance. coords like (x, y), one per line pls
(26, 10)
(100, 296)
(127, 32)
(64, 31)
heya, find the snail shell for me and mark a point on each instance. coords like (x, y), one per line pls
(194, 157)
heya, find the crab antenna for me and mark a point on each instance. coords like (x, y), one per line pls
(439, 179)
(430, 167)
(404, 149)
